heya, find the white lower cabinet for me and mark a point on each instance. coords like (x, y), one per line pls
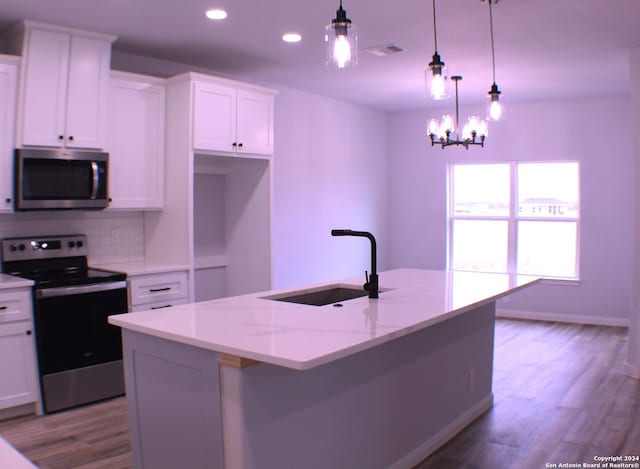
(18, 384)
(157, 291)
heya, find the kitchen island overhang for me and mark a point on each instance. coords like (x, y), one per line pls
(374, 383)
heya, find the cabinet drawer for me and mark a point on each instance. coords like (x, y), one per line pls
(158, 288)
(15, 306)
(159, 305)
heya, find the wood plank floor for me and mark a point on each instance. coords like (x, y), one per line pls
(560, 397)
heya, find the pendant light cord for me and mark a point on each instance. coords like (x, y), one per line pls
(435, 34)
(493, 53)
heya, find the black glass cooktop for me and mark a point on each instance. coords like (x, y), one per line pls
(90, 275)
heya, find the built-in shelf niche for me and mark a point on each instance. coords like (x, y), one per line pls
(232, 229)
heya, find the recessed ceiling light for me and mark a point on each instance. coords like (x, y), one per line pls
(291, 37)
(216, 14)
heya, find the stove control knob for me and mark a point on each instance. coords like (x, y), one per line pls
(21, 247)
(71, 244)
(79, 244)
(13, 248)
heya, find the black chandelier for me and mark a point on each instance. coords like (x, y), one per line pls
(447, 132)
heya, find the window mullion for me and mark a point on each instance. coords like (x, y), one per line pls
(512, 255)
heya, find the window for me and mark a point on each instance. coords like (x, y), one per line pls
(519, 218)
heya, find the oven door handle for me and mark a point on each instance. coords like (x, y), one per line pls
(79, 289)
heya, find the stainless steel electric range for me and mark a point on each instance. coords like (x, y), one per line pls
(79, 353)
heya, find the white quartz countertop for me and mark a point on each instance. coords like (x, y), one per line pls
(10, 281)
(303, 337)
(142, 268)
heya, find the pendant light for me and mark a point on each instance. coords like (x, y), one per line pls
(436, 80)
(447, 132)
(495, 112)
(342, 40)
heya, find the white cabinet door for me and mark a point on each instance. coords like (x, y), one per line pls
(17, 365)
(45, 87)
(232, 119)
(66, 79)
(255, 123)
(88, 88)
(214, 117)
(136, 114)
(8, 90)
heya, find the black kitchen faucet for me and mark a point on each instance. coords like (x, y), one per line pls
(371, 284)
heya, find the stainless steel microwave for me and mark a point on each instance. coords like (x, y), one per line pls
(46, 179)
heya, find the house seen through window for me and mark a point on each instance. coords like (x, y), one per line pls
(519, 218)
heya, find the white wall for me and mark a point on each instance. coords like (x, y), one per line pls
(633, 357)
(329, 172)
(597, 132)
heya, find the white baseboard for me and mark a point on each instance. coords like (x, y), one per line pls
(444, 435)
(558, 317)
(18, 411)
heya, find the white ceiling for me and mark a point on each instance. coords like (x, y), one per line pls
(544, 48)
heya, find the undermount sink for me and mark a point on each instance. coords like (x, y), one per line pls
(324, 296)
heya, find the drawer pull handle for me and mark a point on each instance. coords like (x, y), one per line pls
(160, 307)
(3, 307)
(156, 290)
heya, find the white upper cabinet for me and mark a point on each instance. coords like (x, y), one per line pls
(8, 92)
(214, 117)
(232, 118)
(136, 122)
(64, 88)
(254, 128)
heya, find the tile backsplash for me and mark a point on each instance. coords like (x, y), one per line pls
(112, 236)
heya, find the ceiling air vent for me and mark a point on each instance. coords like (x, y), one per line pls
(384, 50)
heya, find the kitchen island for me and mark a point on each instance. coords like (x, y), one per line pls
(250, 381)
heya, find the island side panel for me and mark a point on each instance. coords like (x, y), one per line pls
(389, 406)
(173, 398)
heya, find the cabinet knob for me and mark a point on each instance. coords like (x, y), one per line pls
(240, 145)
(7, 200)
(60, 137)
(71, 138)
(28, 332)
(234, 144)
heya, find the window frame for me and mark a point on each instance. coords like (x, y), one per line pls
(513, 218)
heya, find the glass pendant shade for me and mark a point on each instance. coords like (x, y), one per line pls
(437, 79)
(341, 39)
(495, 109)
